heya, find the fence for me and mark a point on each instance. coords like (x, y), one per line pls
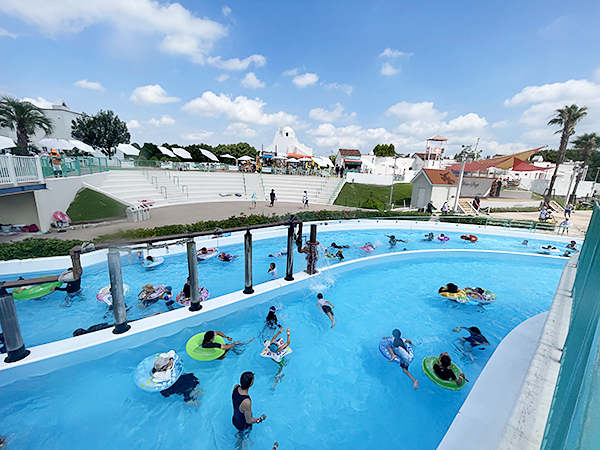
(574, 419)
(20, 169)
(78, 165)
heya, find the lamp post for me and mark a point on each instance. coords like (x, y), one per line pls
(393, 177)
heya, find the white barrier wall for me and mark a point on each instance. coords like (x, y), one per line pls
(369, 178)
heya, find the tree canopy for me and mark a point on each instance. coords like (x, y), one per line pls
(384, 150)
(103, 131)
(25, 118)
(468, 152)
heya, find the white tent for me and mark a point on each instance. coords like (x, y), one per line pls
(227, 155)
(368, 163)
(182, 153)
(323, 161)
(86, 148)
(209, 155)
(6, 142)
(304, 159)
(246, 158)
(292, 160)
(166, 151)
(128, 149)
(59, 144)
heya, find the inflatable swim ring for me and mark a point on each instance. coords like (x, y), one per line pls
(152, 264)
(147, 201)
(443, 239)
(486, 297)
(546, 251)
(428, 363)
(368, 247)
(195, 350)
(228, 257)
(407, 357)
(212, 252)
(105, 296)
(460, 296)
(277, 357)
(34, 291)
(158, 290)
(142, 377)
(469, 237)
(59, 215)
(204, 294)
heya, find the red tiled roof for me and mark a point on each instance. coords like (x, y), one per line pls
(441, 177)
(349, 152)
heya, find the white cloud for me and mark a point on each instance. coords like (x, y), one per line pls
(5, 33)
(226, 10)
(388, 70)
(501, 124)
(571, 90)
(556, 28)
(178, 31)
(250, 81)
(239, 129)
(133, 124)
(423, 111)
(389, 53)
(462, 126)
(306, 79)
(291, 72)
(152, 94)
(597, 75)
(92, 85)
(238, 109)
(236, 63)
(40, 102)
(347, 89)
(164, 121)
(197, 136)
(223, 77)
(324, 115)
(352, 136)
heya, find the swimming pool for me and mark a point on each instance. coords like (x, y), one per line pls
(45, 320)
(337, 391)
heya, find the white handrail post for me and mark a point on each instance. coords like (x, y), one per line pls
(12, 175)
(38, 168)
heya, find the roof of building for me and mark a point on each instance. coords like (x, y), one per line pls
(437, 137)
(441, 177)
(349, 152)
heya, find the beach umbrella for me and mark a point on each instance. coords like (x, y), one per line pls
(182, 153)
(59, 144)
(306, 158)
(292, 160)
(128, 149)
(85, 147)
(209, 155)
(245, 158)
(6, 142)
(166, 151)
(227, 155)
(279, 157)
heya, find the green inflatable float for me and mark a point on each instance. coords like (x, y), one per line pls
(195, 350)
(428, 363)
(36, 291)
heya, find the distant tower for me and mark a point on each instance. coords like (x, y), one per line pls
(436, 147)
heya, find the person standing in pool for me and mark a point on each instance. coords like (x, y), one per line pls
(399, 351)
(393, 241)
(186, 384)
(272, 270)
(572, 246)
(475, 339)
(271, 320)
(443, 369)
(242, 408)
(429, 237)
(327, 309)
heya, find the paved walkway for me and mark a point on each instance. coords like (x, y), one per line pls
(580, 219)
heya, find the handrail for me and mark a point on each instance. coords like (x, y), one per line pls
(244, 182)
(330, 201)
(154, 181)
(165, 193)
(187, 191)
(168, 172)
(176, 177)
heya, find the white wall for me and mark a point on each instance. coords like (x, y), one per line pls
(561, 186)
(420, 182)
(368, 178)
(18, 209)
(59, 194)
(441, 194)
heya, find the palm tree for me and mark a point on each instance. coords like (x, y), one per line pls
(25, 117)
(566, 118)
(586, 144)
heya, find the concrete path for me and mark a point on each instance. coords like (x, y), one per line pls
(580, 219)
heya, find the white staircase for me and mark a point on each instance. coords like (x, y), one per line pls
(130, 186)
(290, 188)
(253, 183)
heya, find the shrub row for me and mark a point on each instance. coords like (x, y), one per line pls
(36, 248)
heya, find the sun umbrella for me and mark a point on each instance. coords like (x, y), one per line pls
(209, 155)
(227, 155)
(306, 158)
(182, 153)
(128, 149)
(85, 147)
(6, 142)
(59, 144)
(245, 158)
(292, 160)
(166, 151)
(279, 157)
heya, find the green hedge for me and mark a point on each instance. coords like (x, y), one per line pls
(36, 248)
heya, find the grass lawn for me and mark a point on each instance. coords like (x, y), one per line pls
(354, 194)
(91, 205)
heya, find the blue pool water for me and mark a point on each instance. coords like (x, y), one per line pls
(44, 320)
(338, 391)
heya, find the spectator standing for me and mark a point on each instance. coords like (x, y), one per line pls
(242, 406)
(56, 160)
(305, 199)
(273, 197)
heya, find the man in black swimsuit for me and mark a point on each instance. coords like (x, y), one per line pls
(443, 369)
(242, 407)
(186, 385)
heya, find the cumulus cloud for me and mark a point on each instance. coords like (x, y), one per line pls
(347, 89)
(388, 70)
(197, 136)
(178, 31)
(152, 94)
(92, 85)
(40, 102)
(222, 77)
(352, 136)
(423, 111)
(392, 54)
(501, 124)
(306, 79)
(240, 130)
(250, 81)
(597, 75)
(133, 124)
(164, 121)
(238, 109)
(5, 33)
(226, 10)
(324, 115)
(236, 63)
(568, 91)
(291, 72)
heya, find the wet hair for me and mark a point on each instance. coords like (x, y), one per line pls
(319, 295)
(445, 360)
(474, 330)
(273, 347)
(398, 342)
(392, 237)
(208, 336)
(246, 380)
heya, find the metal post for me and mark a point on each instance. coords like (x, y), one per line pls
(313, 252)
(460, 180)
(15, 348)
(116, 290)
(299, 237)
(248, 260)
(193, 275)
(290, 254)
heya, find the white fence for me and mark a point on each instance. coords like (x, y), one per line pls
(20, 169)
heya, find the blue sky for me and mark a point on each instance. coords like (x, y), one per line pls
(344, 74)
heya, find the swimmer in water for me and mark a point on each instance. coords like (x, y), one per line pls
(429, 237)
(327, 309)
(525, 243)
(475, 339)
(399, 351)
(393, 241)
(443, 369)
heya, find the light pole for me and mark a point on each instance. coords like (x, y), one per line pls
(393, 177)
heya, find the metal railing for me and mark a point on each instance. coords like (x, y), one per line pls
(163, 192)
(336, 191)
(185, 190)
(154, 181)
(176, 180)
(74, 165)
(20, 169)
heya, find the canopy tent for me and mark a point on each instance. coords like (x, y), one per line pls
(323, 161)
(327, 161)
(245, 158)
(367, 163)
(501, 162)
(305, 159)
(292, 160)
(166, 151)
(128, 149)
(182, 153)
(279, 157)
(59, 144)
(6, 142)
(522, 166)
(86, 148)
(209, 155)
(227, 155)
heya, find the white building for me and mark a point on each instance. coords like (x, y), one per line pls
(285, 143)
(439, 186)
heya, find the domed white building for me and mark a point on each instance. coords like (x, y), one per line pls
(285, 143)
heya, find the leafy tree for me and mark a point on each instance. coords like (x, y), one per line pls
(332, 158)
(566, 118)
(468, 152)
(586, 144)
(103, 132)
(149, 151)
(25, 118)
(384, 150)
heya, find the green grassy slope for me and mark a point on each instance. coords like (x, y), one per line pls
(91, 205)
(353, 194)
